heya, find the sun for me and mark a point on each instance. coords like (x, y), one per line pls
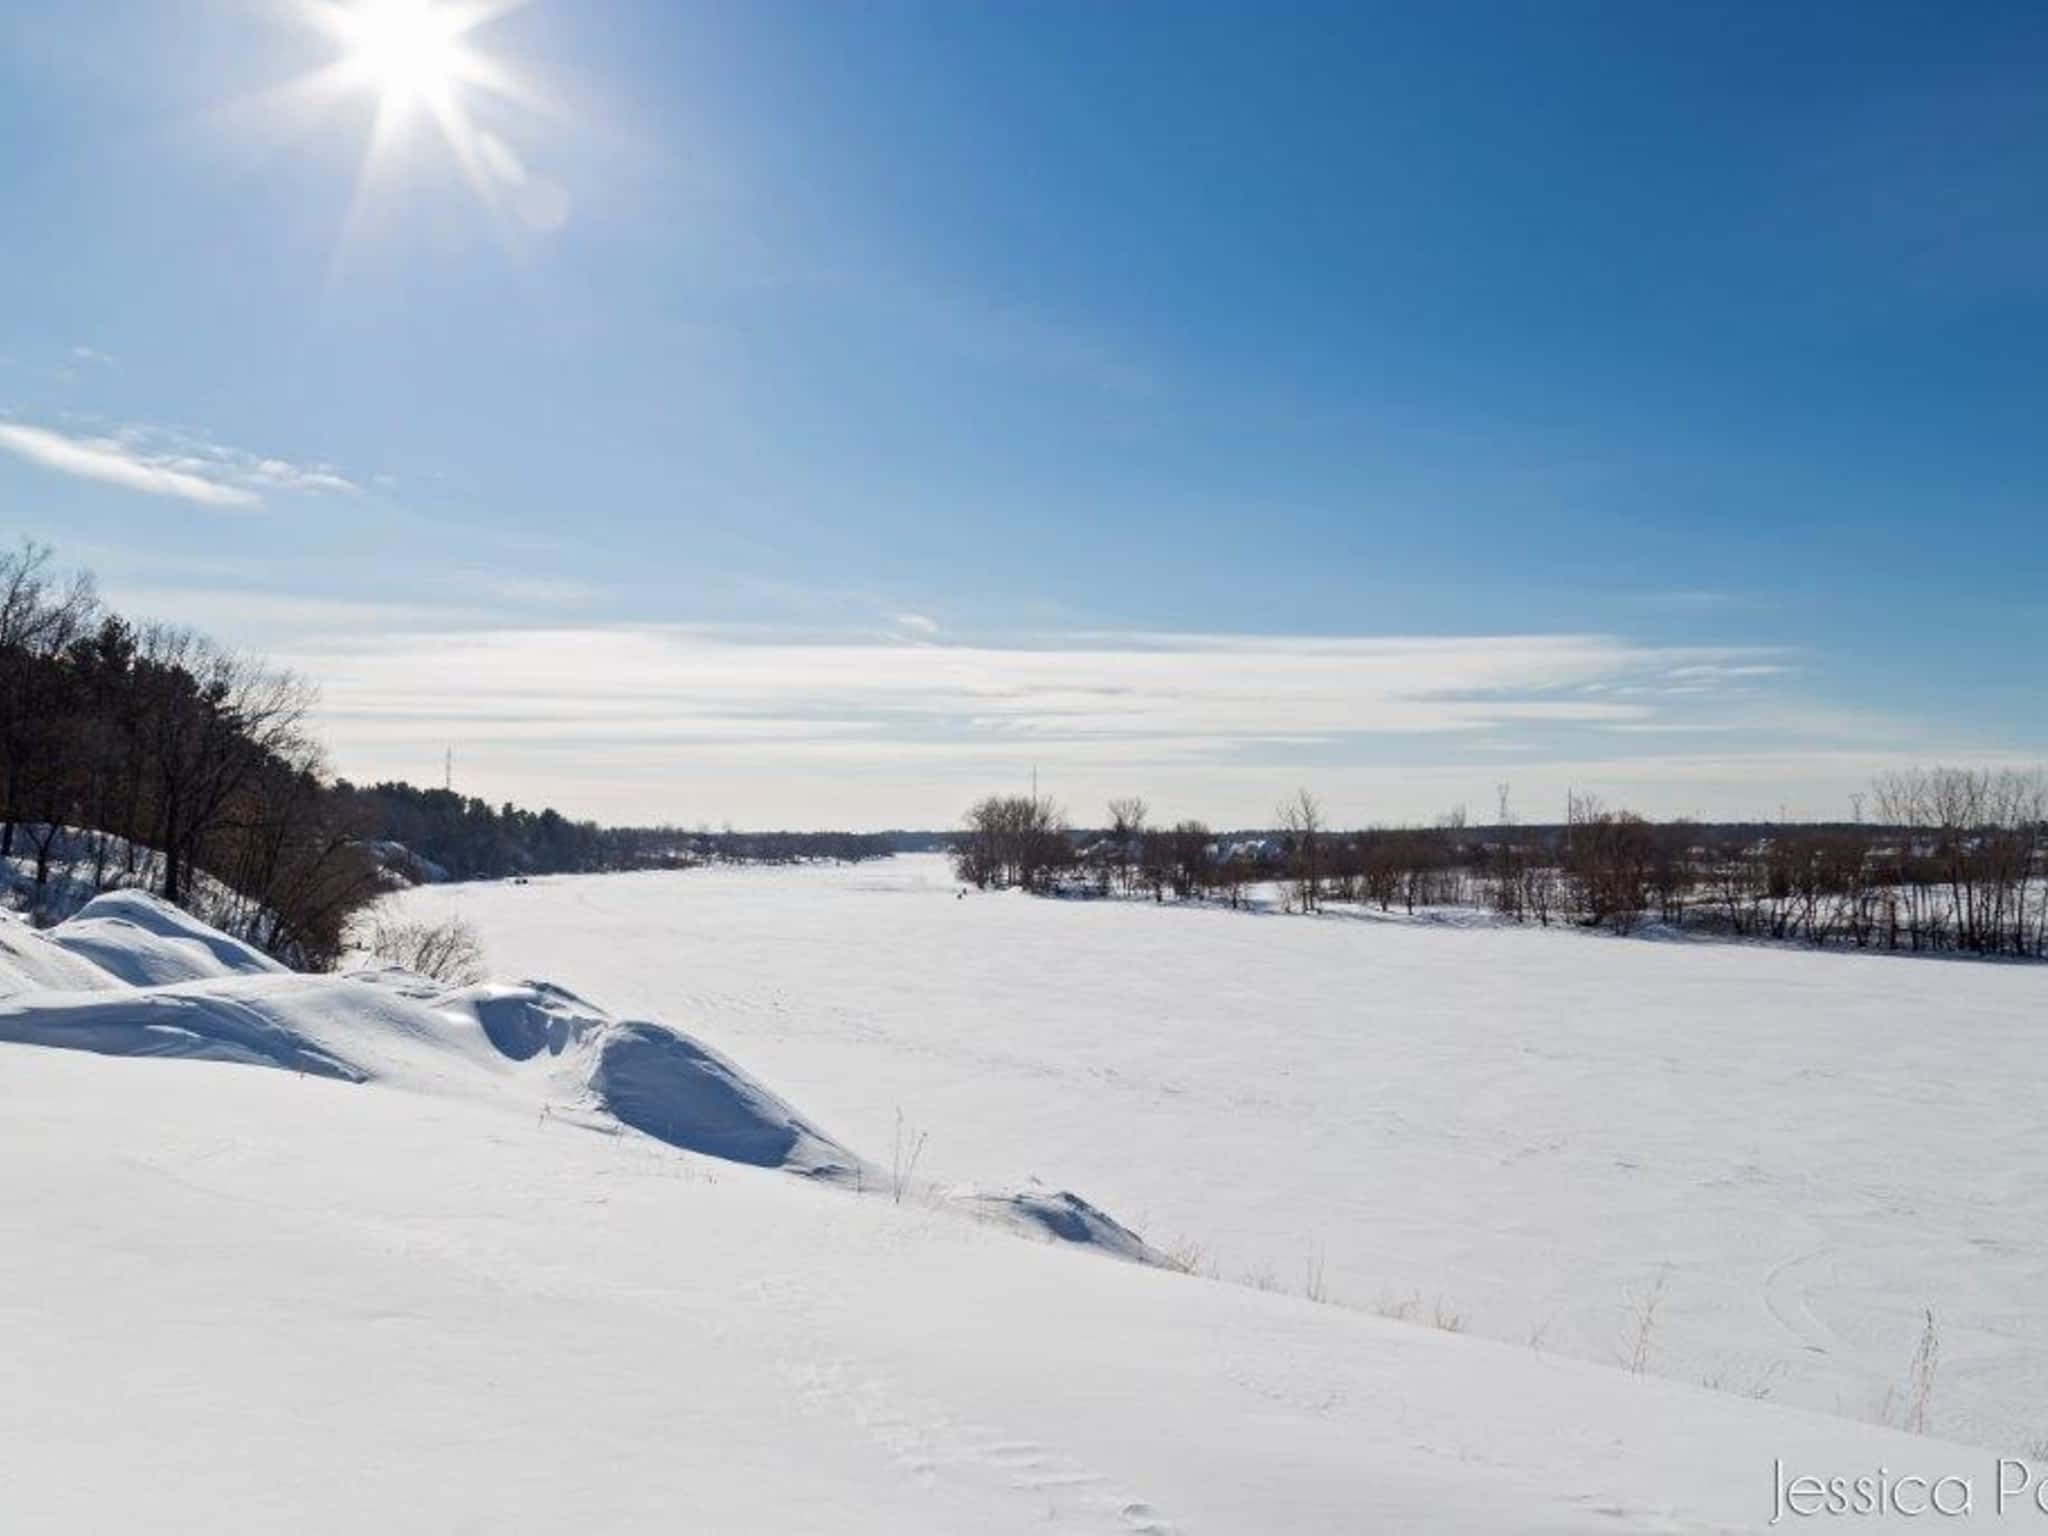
(409, 51)
(419, 64)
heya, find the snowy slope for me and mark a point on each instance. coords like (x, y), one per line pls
(384, 1255)
(1783, 1157)
(276, 1302)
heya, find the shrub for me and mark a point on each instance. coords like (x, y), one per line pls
(448, 951)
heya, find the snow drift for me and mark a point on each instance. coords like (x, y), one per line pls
(29, 962)
(130, 975)
(146, 942)
(522, 1021)
(680, 1092)
(169, 1022)
(1064, 1215)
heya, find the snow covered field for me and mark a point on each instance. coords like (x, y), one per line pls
(1786, 1157)
(390, 1256)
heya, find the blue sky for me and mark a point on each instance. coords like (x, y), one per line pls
(824, 413)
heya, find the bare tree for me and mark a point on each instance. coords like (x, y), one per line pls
(1301, 818)
(1014, 840)
(1509, 866)
(1968, 866)
(1127, 831)
(1192, 858)
(39, 619)
(210, 719)
(1608, 857)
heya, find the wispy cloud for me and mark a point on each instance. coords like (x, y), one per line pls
(920, 623)
(113, 463)
(777, 726)
(162, 461)
(1226, 690)
(93, 355)
(278, 474)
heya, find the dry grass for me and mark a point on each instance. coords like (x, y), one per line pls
(903, 1158)
(1643, 1307)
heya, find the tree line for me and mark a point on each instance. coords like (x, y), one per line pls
(1954, 860)
(446, 835)
(441, 834)
(145, 755)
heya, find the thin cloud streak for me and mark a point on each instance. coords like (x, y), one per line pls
(160, 461)
(1177, 715)
(1233, 688)
(113, 463)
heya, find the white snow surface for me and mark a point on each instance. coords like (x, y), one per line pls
(1533, 1131)
(453, 1270)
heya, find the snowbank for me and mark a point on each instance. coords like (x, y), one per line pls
(532, 1046)
(680, 1092)
(1063, 1215)
(30, 962)
(522, 1021)
(168, 1022)
(146, 942)
(132, 976)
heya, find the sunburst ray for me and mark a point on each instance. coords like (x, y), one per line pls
(420, 61)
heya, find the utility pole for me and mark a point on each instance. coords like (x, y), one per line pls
(448, 771)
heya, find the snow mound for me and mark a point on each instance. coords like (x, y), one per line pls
(29, 962)
(321, 1025)
(165, 1022)
(530, 1045)
(678, 1091)
(147, 942)
(1064, 1215)
(524, 1020)
(133, 976)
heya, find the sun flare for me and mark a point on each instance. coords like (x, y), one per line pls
(419, 63)
(408, 51)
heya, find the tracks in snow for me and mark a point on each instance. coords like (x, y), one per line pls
(938, 1449)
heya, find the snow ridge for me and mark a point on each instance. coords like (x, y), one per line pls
(130, 975)
(146, 942)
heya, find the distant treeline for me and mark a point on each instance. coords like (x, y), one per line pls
(802, 847)
(451, 836)
(146, 755)
(1955, 860)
